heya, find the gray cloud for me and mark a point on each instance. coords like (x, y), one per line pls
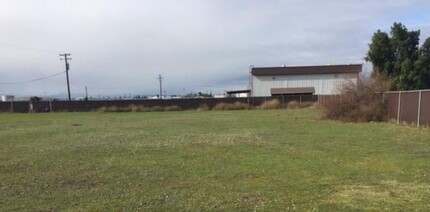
(121, 46)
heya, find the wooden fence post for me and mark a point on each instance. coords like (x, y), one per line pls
(283, 101)
(300, 101)
(11, 106)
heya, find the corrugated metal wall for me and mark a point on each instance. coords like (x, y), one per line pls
(324, 84)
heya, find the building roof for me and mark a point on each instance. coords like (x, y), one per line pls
(305, 70)
(296, 90)
(239, 91)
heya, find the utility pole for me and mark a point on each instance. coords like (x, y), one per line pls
(86, 93)
(250, 80)
(160, 79)
(66, 61)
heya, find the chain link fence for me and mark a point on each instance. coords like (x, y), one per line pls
(83, 106)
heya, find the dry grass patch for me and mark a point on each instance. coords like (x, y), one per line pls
(385, 193)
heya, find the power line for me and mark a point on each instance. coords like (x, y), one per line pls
(33, 80)
(115, 87)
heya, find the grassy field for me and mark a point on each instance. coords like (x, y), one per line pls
(223, 160)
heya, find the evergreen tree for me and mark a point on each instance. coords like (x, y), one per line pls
(381, 54)
(398, 57)
(423, 65)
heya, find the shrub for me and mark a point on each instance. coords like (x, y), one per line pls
(138, 108)
(114, 109)
(134, 108)
(102, 109)
(157, 108)
(309, 104)
(124, 109)
(221, 106)
(358, 102)
(108, 109)
(203, 107)
(229, 106)
(293, 104)
(173, 108)
(314, 105)
(272, 104)
(240, 106)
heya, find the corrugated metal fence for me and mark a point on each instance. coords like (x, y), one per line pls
(412, 107)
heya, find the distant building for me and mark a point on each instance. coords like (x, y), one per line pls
(299, 80)
(239, 93)
(219, 96)
(7, 98)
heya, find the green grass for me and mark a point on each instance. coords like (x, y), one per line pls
(210, 160)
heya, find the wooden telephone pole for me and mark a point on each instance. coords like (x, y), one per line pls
(161, 85)
(66, 61)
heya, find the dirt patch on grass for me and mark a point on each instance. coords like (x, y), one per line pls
(384, 193)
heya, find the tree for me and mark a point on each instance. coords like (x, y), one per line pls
(423, 64)
(397, 57)
(381, 54)
(205, 95)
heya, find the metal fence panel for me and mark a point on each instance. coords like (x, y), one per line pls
(412, 107)
(391, 100)
(425, 108)
(409, 107)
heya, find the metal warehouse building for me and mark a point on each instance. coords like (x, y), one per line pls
(316, 80)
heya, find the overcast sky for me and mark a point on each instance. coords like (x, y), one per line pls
(120, 47)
